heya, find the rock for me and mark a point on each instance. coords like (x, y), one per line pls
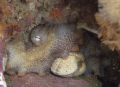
(34, 80)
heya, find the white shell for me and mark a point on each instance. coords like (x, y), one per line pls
(70, 66)
(64, 67)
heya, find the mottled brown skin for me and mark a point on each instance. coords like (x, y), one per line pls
(65, 38)
(58, 42)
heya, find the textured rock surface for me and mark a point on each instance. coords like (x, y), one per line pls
(34, 80)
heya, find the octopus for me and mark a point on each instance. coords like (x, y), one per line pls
(50, 41)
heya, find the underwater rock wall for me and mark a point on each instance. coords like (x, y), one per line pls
(21, 16)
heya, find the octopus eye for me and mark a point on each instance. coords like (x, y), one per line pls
(37, 38)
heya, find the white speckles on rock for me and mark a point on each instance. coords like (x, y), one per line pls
(32, 6)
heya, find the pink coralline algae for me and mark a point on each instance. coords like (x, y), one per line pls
(47, 81)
